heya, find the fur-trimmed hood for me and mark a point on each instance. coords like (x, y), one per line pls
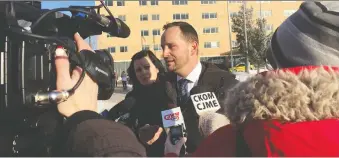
(288, 95)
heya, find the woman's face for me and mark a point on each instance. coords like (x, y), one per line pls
(145, 71)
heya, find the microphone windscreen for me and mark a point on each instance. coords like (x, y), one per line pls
(123, 29)
(128, 103)
(211, 121)
(121, 108)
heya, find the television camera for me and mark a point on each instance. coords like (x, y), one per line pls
(29, 37)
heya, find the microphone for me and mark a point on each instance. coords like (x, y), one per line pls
(174, 120)
(211, 121)
(114, 26)
(171, 95)
(204, 99)
(122, 108)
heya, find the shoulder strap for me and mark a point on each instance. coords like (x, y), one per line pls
(242, 149)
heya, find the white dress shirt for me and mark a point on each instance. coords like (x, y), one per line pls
(193, 77)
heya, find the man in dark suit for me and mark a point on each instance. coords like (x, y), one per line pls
(180, 45)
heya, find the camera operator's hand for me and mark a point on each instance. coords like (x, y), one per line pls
(85, 96)
(173, 149)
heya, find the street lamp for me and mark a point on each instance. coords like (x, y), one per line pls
(230, 33)
(246, 43)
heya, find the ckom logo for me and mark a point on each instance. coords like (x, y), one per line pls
(173, 117)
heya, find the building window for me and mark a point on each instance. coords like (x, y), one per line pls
(210, 30)
(209, 15)
(122, 17)
(142, 2)
(123, 49)
(156, 32)
(109, 2)
(211, 45)
(208, 1)
(155, 17)
(143, 17)
(145, 47)
(233, 14)
(231, 1)
(264, 13)
(154, 2)
(157, 47)
(235, 44)
(269, 27)
(144, 32)
(288, 13)
(111, 49)
(181, 16)
(179, 2)
(120, 2)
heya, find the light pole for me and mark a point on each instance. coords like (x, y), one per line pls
(260, 10)
(246, 43)
(230, 33)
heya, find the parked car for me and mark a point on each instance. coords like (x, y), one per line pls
(241, 68)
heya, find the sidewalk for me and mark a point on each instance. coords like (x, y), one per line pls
(118, 95)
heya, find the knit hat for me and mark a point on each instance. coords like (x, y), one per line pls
(310, 36)
(86, 133)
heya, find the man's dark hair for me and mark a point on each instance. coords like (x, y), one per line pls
(187, 30)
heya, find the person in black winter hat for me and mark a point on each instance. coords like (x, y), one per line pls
(309, 37)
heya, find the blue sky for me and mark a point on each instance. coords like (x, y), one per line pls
(59, 4)
(62, 4)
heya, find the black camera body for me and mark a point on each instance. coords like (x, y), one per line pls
(31, 59)
(27, 70)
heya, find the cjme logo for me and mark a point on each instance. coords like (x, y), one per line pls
(173, 116)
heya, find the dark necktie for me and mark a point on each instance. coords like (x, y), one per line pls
(182, 91)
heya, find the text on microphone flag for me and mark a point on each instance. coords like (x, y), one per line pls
(172, 117)
(205, 102)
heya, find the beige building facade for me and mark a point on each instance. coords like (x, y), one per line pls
(209, 17)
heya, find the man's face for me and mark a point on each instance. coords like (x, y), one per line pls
(176, 50)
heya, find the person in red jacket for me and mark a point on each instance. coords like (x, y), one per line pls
(291, 111)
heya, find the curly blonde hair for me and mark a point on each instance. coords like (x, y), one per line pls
(311, 95)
